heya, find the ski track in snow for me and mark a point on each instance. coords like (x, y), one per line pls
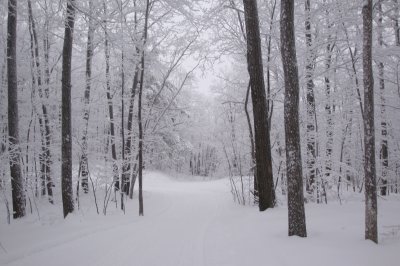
(196, 223)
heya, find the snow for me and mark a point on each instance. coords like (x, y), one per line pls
(197, 223)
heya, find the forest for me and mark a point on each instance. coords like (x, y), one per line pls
(111, 110)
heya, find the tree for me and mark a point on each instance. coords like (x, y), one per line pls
(371, 208)
(89, 56)
(264, 173)
(66, 138)
(45, 158)
(109, 99)
(140, 149)
(297, 219)
(17, 185)
(384, 132)
(311, 118)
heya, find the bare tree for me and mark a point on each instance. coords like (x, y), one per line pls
(110, 103)
(66, 138)
(264, 173)
(297, 219)
(371, 208)
(311, 121)
(140, 150)
(45, 158)
(86, 110)
(17, 185)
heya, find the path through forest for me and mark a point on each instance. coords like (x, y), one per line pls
(196, 223)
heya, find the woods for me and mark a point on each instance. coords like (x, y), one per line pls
(295, 103)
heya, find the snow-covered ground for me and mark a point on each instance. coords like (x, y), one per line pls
(196, 223)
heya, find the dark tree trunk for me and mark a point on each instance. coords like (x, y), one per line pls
(371, 208)
(264, 173)
(110, 104)
(17, 183)
(66, 138)
(128, 145)
(297, 219)
(310, 103)
(251, 136)
(86, 99)
(140, 150)
(123, 181)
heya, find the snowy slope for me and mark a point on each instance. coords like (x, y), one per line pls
(197, 223)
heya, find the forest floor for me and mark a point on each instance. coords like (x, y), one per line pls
(192, 223)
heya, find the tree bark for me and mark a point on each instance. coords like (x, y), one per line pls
(310, 103)
(110, 104)
(251, 136)
(329, 105)
(140, 149)
(17, 183)
(128, 145)
(66, 138)
(264, 173)
(126, 170)
(297, 219)
(86, 101)
(371, 208)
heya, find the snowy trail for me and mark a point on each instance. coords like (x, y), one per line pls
(196, 223)
(172, 232)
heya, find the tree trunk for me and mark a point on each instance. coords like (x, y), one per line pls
(310, 103)
(140, 150)
(17, 183)
(66, 138)
(44, 122)
(384, 138)
(86, 99)
(371, 208)
(126, 171)
(251, 136)
(264, 173)
(128, 145)
(270, 103)
(297, 219)
(123, 181)
(110, 104)
(329, 105)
